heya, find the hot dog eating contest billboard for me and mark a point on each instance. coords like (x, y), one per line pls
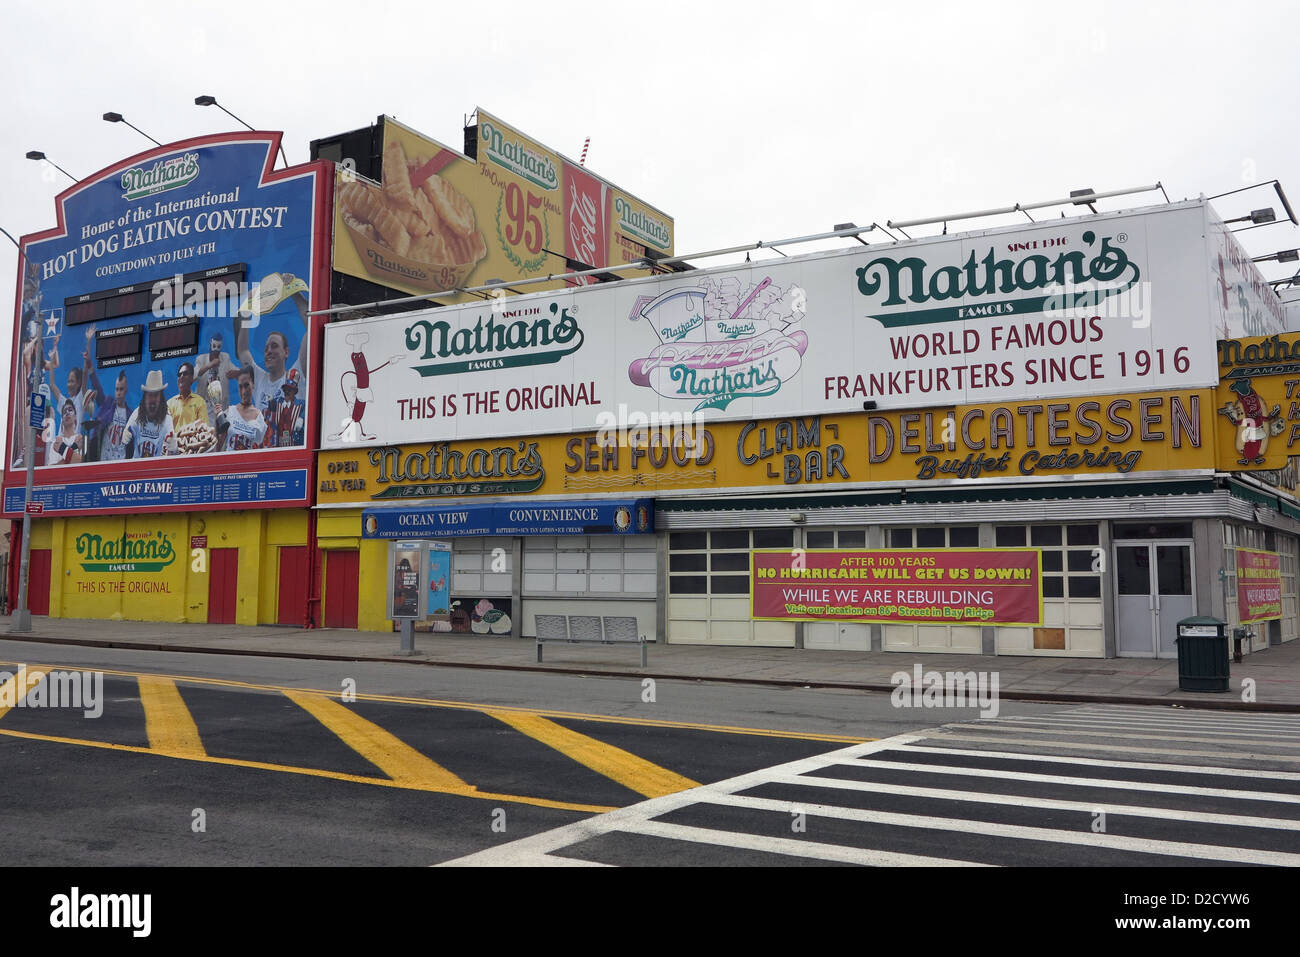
(165, 321)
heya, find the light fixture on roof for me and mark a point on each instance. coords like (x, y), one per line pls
(119, 118)
(1277, 185)
(843, 229)
(1077, 194)
(1282, 256)
(1076, 197)
(1257, 216)
(38, 155)
(206, 100)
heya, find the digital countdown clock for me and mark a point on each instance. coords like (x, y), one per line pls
(193, 289)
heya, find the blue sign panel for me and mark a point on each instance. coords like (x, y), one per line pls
(250, 488)
(168, 274)
(628, 517)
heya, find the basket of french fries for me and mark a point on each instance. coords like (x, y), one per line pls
(418, 230)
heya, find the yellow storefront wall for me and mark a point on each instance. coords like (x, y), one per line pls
(157, 568)
(339, 529)
(1103, 436)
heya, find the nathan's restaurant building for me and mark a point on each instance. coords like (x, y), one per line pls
(165, 493)
(169, 488)
(1007, 441)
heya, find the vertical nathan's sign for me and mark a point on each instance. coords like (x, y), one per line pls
(168, 313)
(1259, 585)
(1259, 384)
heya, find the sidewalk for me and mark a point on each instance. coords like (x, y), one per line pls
(1275, 671)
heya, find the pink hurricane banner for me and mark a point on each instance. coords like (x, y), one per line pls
(1259, 585)
(914, 586)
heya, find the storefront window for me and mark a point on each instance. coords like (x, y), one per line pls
(828, 538)
(589, 566)
(726, 555)
(1069, 556)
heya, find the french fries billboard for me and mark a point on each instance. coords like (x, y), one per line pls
(438, 220)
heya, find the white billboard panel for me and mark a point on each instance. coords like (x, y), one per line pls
(1092, 305)
(1243, 303)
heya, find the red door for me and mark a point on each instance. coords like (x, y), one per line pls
(341, 573)
(293, 586)
(38, 581)
(223, 585)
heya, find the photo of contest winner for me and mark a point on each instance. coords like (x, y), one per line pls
(150, 430)
(254, 328)
(243, 426)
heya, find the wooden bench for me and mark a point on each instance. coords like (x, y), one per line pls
(593, 629)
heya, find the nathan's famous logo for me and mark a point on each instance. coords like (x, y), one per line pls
(132, 552)
(533, 339)
(641, 225)
(721, 341)
(441, 470)
(165, 174)
(1087, 280)
(519, 159)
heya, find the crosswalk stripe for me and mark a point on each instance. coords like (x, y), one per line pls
(1057, 729)
(1101, 763)
(390, 754)
(1062, 744)
(634, 773)
(1085, 838)
(1182, 719)
(18, 687)
(168, 722)
(1105, 783)
(789, 846)
(1128, 726)
(1051, 804)
(1191, 714)
(530, 849)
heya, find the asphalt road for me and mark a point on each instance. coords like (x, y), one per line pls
(215, 760)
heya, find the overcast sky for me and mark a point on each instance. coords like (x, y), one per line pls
(743, 121)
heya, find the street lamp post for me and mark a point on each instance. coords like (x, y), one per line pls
(38, 155)
(22, 619)
(119, 118)
(206, 100)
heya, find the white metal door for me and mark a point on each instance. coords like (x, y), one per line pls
(1153, 592)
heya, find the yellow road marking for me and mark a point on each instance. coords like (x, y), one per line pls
(614, 763)
(316, 773)
(390, 754)
(506, 709)
(17, 687)
(167, 721)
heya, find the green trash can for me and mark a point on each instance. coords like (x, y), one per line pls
(1202, 654)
